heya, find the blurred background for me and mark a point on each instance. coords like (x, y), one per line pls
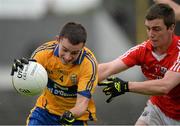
(113, 27)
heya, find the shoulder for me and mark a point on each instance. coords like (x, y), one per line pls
(89, 61)
(47, 47)
(144, 45)
(89, 55)
(178, 37)
(140, 47)
(89, 52)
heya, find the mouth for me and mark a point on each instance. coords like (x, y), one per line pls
(154, 41)
(66, 62)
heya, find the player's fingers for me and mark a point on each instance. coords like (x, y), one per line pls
(110, 78)
(107, 89)
(32, 60)
(14, 68)
(18, 63)
(24, 60)
(109, 99)
(105, 83)
(107, 93)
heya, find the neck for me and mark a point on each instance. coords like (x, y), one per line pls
(160, 50)
(163, 49)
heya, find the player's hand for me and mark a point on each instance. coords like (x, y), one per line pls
(19, 63)
(67, 118)
(114, 87)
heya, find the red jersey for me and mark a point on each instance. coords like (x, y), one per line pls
(154, 67)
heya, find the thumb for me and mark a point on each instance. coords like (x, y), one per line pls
(109, 99)
(110, 78)
(104, 83)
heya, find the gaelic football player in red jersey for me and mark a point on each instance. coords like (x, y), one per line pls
(159, 58)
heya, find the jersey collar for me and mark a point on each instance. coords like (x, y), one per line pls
(56, 50)
(171, 48)
(79, 59)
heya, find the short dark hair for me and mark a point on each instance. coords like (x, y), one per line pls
(74, 32)
(161, 11)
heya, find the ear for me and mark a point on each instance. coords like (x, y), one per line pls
(84, 44)
(57, 38)
(172, 28)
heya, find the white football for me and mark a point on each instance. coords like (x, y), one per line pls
(31, 80)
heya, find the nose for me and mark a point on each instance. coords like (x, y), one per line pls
(68, 57)
(151, 34)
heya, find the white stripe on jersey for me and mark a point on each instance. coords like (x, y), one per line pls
(176, 66)
(132, 49)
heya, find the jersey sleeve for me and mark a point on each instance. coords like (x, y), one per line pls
(88, 77)
(39, 57)
(133, 56)
(176, 66)
(40, 54)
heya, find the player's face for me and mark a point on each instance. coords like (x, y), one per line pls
(69, 53)
(158, 32)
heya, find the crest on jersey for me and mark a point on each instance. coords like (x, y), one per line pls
(73, 79)
(163, 70)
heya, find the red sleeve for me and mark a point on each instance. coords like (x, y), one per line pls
(133, 56)
(176, 65)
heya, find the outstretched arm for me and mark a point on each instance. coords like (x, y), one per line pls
(156, 87)
(107, 69)
(172, 4)
(116, 86)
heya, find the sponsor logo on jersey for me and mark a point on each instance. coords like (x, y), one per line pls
(63, 91)
(73, 79)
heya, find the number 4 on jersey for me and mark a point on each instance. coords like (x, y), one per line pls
(61, 79)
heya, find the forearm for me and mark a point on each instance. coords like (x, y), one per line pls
(103, 71)
(78, 110)
(152, 87)
(178, 14)
(169, 2)
(80, 107)
(172, 4)
(107, 69)
(176, 8)
(156, 87)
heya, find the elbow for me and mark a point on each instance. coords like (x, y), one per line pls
(81, 112)
(164, 91)
(83, 109)
(166, 88)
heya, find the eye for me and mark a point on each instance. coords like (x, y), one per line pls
(157, 29)
(147, 28)
(74, 53)
(64, 50)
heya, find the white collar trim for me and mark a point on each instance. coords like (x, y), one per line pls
(159, 57)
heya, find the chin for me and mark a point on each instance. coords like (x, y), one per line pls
(154, 44)
(66, 63)
(63, 62)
